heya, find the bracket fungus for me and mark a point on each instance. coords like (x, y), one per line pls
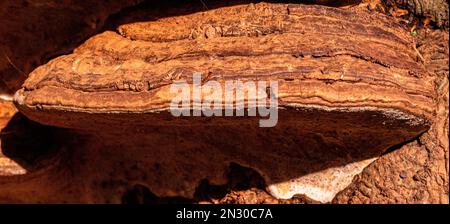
(349, 87)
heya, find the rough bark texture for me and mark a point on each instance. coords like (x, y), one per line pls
(348, 90)
(418, 171)
(437, 10)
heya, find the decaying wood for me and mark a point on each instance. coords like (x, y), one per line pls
(437, 10)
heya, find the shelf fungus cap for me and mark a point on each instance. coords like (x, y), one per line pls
(344, 78)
